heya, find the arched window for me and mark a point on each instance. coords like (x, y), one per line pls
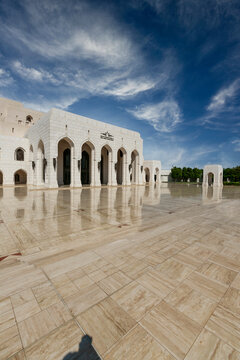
(29, 119)
(20, 177)
(19, 154)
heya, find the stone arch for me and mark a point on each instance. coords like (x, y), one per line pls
(87, 161)
(210, 179)
(20, 177)
(65, 161)
(147, 175)
(1, 178)
(134, 167)
(105, 166)
(120, 166)
(19, 154)
(29, 119)
(41, 162)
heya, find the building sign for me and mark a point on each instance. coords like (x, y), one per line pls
(107, 136)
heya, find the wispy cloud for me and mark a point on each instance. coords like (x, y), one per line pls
(236, 144)
(45, 105)
(91, 35)
(224, 104)
(5, 78)
(30, 73)
(224, 96)
(171, 154)
(163, 116)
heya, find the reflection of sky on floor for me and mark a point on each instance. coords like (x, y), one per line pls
(60, 215)
(126, 265)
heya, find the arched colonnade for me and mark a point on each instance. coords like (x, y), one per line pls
(87, 165)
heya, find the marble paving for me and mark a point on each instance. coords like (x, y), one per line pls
(148, 272)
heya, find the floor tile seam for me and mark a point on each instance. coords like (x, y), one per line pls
(214, 280)
(13, 237)
(136, 322)
(119, 340)
(83, 331)
(221, 339)
(73, 317)
(18, 352)
(197, 340)
(229, 268)
(157, 340)
(17, 329)
(130, 282)
(199, 326)
(204, 326)
(222, 307)
(40, 309)
(44, 336)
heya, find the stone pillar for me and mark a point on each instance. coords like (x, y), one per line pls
(124, 169)
(113, 171)
(127, 177)
(96, 171)
(151, 177)
(77, 173)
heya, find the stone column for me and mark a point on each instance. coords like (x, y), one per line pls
(77, 173)
(127, 176)
(113, 170)
(96, 171)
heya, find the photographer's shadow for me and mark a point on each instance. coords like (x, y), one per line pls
(85, 352)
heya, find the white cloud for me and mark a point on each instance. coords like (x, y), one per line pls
(79, 50)
(5, 78)
(28, 73)
(163, 116)
(72, 32)
(236, 144)
(129, 87)
(171, 154)
(45, 105)
(220, 100)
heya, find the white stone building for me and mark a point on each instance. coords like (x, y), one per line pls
(60, 148)
(213, 175)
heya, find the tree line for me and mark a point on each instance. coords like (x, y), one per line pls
(187, 173)
(232, 174)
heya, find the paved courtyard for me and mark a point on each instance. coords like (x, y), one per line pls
(148, 272)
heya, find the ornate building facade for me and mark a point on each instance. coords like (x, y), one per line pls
(60, 148)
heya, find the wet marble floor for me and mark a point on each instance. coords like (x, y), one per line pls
(149, 272)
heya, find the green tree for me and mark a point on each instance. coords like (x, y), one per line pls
(176, 173)
(196, 174)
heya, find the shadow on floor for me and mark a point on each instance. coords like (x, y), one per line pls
(85, 352)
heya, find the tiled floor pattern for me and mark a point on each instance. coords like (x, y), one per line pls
(149, 273)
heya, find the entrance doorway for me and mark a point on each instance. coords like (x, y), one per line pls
(105, 165)
(67, 167)
(1, 178)
(147, 175)
(20, 177)
(85, 168)
(64, 161)
(121, 154)
(210, 179)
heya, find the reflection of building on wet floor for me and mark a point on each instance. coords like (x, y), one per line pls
(211, 194)
(125, 269)
(59, 148)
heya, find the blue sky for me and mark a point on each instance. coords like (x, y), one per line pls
(168, 69)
